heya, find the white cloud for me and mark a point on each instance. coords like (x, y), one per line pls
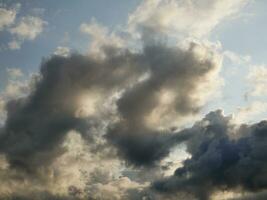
(28, 28)
(62, 51)
(172, 19)
(257, 79)
(195, 18)
(7, 17)
(100, 36)
(24, 28)
(94, 29)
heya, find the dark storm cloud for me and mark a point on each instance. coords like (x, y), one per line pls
(140, 146)
(219, 161)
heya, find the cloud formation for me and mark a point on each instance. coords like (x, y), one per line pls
(257, 80)
(182, 17)
(101, 125)
(222, 158)
(28, 28)
(7, 17)
(56, 104)
(162, 100)
(20, 28)
(62, 51)
(137, 96)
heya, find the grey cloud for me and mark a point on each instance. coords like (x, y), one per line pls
(166, 95)
(38, 196)
(219, 161)
(147, 92)
(257, 196)
(36, 125)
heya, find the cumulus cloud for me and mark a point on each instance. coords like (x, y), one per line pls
(222, 158)
(174, 88)
(56, 104)
(103, 125)
(124, 104)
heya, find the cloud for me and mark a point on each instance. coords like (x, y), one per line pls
(14, 45)
(57, 102)
(22, 28)
(257, 196)
(113, 102)
(222, 158)
(62, 51)
(14, 72)
(100, 36)
(245, 114)
(256, 78)
(237, 59)
(2, 112)
(7, 17)
(18, 85)
(28, 28)
(174, 89)
(101, 125)
(184, 17)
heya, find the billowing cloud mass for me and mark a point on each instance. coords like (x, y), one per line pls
(137, 96)
(59, 101)
(108, 124)
(222, 158)
(162, 100)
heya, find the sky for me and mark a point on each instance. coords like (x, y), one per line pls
(138, 99)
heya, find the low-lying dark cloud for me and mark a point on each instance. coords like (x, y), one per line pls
(222, 158)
